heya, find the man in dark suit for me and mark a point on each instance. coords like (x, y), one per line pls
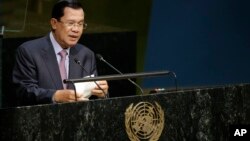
(37, 72)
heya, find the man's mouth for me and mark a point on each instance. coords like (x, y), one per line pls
(73, 36)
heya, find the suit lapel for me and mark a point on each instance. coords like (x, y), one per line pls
(49, 57)
(50, 60)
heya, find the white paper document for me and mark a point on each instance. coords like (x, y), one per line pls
(84, 88)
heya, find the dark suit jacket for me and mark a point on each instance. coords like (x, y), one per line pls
(36, 73)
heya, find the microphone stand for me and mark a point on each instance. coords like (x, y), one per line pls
(102, 59)
(79, 63)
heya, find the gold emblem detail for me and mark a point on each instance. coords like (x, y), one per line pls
(144, 121)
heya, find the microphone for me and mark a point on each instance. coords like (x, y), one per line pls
(102, 59)
(79, 63)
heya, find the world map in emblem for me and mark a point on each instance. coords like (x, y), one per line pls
(144, 121)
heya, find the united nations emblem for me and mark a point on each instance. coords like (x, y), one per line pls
(144, 121)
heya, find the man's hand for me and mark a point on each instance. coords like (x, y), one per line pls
(104, 88)
(61, 96)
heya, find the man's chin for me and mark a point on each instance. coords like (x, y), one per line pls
(72, 44)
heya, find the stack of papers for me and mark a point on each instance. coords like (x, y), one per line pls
(84, 88)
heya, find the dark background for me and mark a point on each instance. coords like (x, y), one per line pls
(205, 43)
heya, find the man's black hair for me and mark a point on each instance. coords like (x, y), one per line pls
(58, 8)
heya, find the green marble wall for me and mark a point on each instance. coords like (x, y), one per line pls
(192, 115)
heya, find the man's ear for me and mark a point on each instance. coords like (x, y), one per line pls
(53, 23)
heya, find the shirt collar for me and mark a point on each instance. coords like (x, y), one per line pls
(55, 44)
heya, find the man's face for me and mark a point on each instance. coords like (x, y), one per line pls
(69, 28)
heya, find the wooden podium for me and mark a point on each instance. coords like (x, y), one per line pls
(195, 114)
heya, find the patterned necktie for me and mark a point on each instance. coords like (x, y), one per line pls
(62, 66)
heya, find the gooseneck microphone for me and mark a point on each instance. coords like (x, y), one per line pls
(102, 59)
(79, 63)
